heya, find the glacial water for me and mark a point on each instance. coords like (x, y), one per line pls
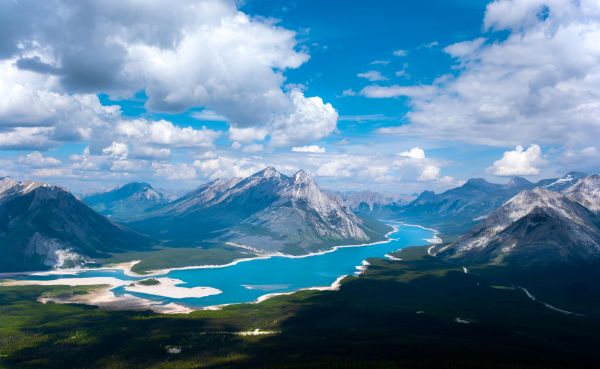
(249, 280)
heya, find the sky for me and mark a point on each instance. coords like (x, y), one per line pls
(398, 96)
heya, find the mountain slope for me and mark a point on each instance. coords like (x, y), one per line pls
(127, 202)
(535, 227)
(458, 209)
(586, 192)
(562, 183)
(376, 204)
(268, 210)
(43, 226)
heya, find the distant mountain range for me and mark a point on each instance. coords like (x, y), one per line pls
(457, 210)
(537, 227)
(128, 202)
(43, 226)
(267, 210)
(379, 205)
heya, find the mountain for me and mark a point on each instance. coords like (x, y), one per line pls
(128, 202)
(586, 192)
(562, 183)
(267, 210)
(536, 227)
(43, 226)
(458, 209)
(376, 204)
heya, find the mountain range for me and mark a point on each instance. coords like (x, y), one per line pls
(379, 205)
(537, 227)
(268, 211)
(457, 210)
(553, 220)
(44, 226)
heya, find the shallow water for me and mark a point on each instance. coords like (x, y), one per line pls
(247, 281)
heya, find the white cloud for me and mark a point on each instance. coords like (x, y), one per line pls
(51, 172)
(400, 52)
(226, 167)
(310, 149)
(247, 134)
(163, 132)
(253, 148)
(539, 82)
(590, 151)
(128, 166)
(117, 149)
(175, 172)
(311, 120)
(415, 153)
(208, 115)
(378, 168)
(349, 92)
(26, 138)
(519, 162)
(430, 173)
(465, 48)
(380, 62)
(185, 55)
(380, 92)
(36, 159)
(149, 152)
(372, 75)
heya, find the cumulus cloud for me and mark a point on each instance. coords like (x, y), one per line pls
(175, 172)
(24, 138)
(117, 149)
(311, 120)
(372, 75)
(55, 58)
(163, 132)
(227, 167)
(247, 134)
(36, 159)
(519, 162)
(253, 148)
(415, 158)
(429, 173)
(415, 153)
(310, 149)
(408, 167)
(537, 82)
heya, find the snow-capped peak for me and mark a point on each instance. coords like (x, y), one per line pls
(586, 192)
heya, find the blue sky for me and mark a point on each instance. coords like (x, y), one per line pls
(388, 95)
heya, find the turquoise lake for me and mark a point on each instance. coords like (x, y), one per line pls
(248, 280)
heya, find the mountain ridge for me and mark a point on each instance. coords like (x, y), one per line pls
(267, 210)
(44, 226)
(536, 227)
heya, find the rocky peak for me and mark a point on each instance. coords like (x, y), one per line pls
(268, 172)
(519, 182)
(477, 183)
(586, 192)
(302, 178)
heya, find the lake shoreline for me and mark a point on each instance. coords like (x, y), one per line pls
(107, 298)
